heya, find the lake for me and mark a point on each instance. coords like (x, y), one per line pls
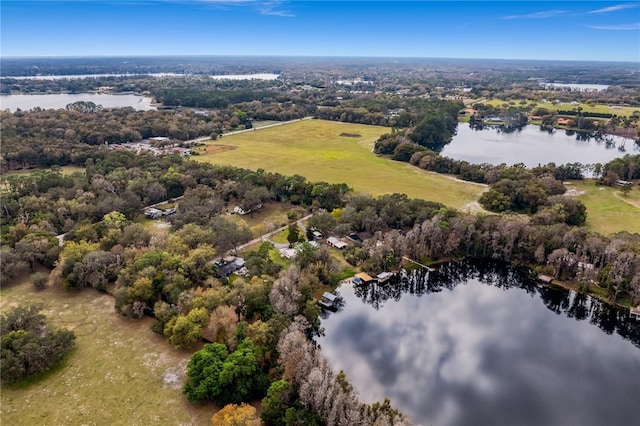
(57, 101)
(481, 344)
(576, 86)
(532, 147)
(82, 76)
(258, 76)
(262, 76)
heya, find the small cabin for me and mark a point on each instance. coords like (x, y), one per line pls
(153, 213)
(230, 267)
(328, 301)
(545, 278)
(384, 276)
(337, 243)
(287, 253)
(239, 210)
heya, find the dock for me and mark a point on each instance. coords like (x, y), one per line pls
(328, 301)
(362, 278)
(419, 264)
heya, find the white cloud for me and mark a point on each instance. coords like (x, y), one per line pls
(538, 15)
(622, 27)
(273, 8)
(615, 8)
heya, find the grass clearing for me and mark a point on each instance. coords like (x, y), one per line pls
(120, 372)
(315, 149)
(280, 237)
(65, 170)
(271, 216)
(261, 123)
(622, 111)
(608, 210)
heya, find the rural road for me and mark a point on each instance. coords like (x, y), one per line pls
(266, 236)
(262, 127)
(236, 132)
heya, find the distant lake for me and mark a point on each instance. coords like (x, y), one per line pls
(481, 344)
(577, 86)
(264, 76)
(57, 101)
(81, 76)
(532, 147)
(260, 76)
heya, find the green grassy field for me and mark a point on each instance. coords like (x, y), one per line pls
(66, 170)
(120, 373)
(315, 149)
(270, 216)
(622, 111)
(261, 123)
(608, 210)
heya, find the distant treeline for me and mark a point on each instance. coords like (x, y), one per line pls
(66, 136)
(193, 97)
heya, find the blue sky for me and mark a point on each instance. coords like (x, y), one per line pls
(571, 30)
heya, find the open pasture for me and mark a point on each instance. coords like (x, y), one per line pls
(331, 152)
(120, 372)
(622, 111)
(608, 209)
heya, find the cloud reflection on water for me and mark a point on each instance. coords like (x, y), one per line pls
(479, 355)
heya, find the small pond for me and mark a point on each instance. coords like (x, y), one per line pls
(533, 147)
(482, 344)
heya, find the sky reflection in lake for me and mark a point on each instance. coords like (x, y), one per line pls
(482, 355)
(532, 147)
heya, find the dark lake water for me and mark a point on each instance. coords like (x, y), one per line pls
(532, 147)
(482, 344)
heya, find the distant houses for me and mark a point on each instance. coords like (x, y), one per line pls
(159, 145)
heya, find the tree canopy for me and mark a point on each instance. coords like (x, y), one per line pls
(29, 345)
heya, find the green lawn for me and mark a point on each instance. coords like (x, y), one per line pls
(120, 373)
(270, 216)
(608, 210)
(66, 170)
(260, 123)
(315, 149)
(622, 111)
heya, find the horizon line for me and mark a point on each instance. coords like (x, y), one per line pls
(2, 57)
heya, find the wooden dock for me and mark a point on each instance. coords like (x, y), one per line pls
(419, 264)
